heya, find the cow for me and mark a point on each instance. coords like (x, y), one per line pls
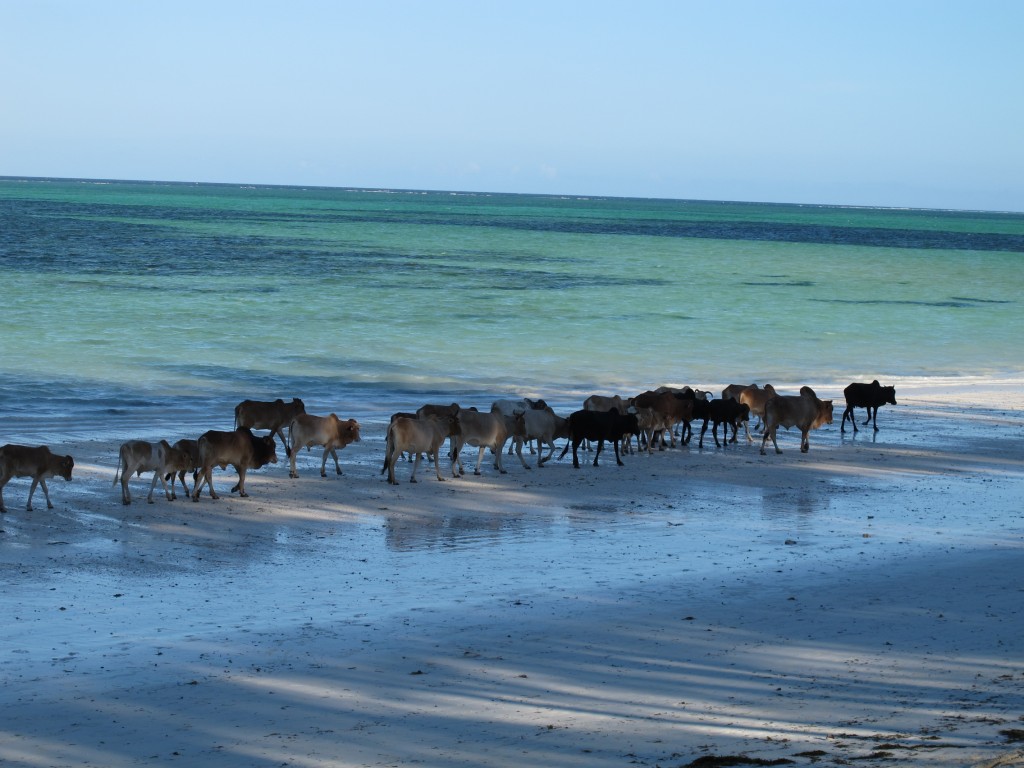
(509, 408)
(35, 462)
(241, 449)
(441, 412)
(275, 416)
(544, 426)
(672, 408)
(804, 411)
(869, 396)
(190, 449)
(485, 430)
(653, 425)
(600, 426)
(332, 433)
(754, 397)
(728, 413)
(163, 460)
(417, 436)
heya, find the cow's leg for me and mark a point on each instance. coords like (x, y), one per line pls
(541, 458)
(3, 482)
(618, 458)
(126, 494)
(292, 471)
(769, 434)
(202, 479)
(703, 429)
(600, 446)
(805, 440)
(152, 487)
(279, 431)
(480, 459)
(575, 454)
(498, 450)
(209, 482)
(323, 464)
(874, 417)
(519, 452)
(437, 461)
(868, 419)
(240, 485)
(415, 466)
(46, 492)
(746, 428)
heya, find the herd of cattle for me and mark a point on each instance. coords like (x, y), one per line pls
(648, 417)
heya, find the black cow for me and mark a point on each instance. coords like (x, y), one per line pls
(868, 396)
(600, 426)
(728, 413)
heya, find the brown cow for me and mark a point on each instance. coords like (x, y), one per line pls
(275, 416)
(37, 463)
(190, 463)
(805, 411)
(138, 456)
(754, 397)
(673, 408)
(331, 432)
(483, 430)
(441, 412)
(241, 449)
(417, 436)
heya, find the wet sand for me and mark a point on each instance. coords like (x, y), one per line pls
(860, 602)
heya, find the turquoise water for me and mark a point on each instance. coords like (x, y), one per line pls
(177, 299)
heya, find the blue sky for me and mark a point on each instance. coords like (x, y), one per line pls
(894, 103)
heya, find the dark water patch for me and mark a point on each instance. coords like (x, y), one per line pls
(781, 283)
(782, 232)
(981, 301)
(94, 218)
(951, 303)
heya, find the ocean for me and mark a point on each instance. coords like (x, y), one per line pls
(168, 303)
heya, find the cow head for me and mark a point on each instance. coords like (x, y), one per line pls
(66, 465)
(889, 393)
(349, 431)
(264, 450)
(824, 412)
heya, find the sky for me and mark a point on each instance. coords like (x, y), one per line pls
(892, 103)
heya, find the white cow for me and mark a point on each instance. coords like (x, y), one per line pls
(138, 456)
(544, 426)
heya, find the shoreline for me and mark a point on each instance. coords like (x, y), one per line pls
(860, 599)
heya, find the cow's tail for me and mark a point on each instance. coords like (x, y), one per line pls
(120, 467)
(389, 448)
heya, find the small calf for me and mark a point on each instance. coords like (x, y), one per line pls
(37, 463)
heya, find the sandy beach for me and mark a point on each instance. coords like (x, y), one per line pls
(859, 604)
